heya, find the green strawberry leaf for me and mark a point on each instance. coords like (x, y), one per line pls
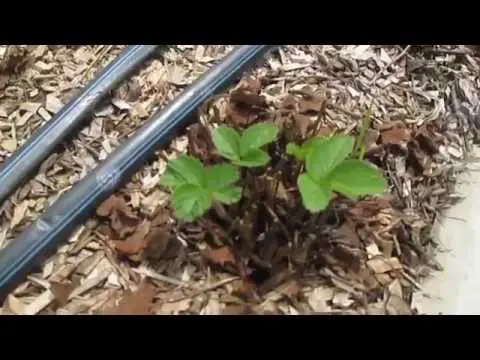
(228, 195)
(191, 201)
(296, 151)
(184, 170)
(300, 152)
(257, 136)
(327, 155)
(357, 178)
(227, 142)
(254, 158)
(315, 196)
(308, 145)
(221, 175)
(171, 178)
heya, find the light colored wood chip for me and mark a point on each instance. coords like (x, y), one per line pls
(372, 250)
(53, 104)
(383, 278)
(96, 128)
(139, 110)
(9, 145)
(380, 265)
(411, 280)
(199, 51)
(106, 111)
(87, 265)
(377, 308)
(90, 283)
(114, 280)
(76, 235)
(384, 57)
(40, 303)
(149, 182)
(284, 308)
(154, 275)
(5, 125)
(103, 265)
(395, 288)
(77, 306)
(41, 178)
(185, 47)
(318, 299)
(15, 305)
(269, 306)
(293, 67)
(62, 272)
(101, 300)
(121, 104)
(35, 280)
(63, 312)
(30, 106)
(176, 75)
(135, 199)
(154, 200)
(39, 51)
(396, 306)
(19, 214)
(213, 307)
(173, 308)
(3, 237)
(44, 114)
(342, 299)
(23, 119)
(83, 54)
(40, 65)
(21, 288)
(107, 146)
(157, 74)
(394, 263)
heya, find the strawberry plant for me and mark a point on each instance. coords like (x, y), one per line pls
(331, 165)
(196, 187)
(330, 168)
(245, 149)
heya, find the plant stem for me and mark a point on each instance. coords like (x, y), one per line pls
(358, 150)
(316, 126)
(222, 213)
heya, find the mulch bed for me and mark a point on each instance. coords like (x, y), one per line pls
(266, 254)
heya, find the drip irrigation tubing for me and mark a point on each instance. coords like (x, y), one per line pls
(23, 162)
(74, 207)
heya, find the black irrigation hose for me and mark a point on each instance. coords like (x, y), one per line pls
(18, 167)
(75, 206)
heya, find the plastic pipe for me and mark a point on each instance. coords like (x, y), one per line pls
(18, 167)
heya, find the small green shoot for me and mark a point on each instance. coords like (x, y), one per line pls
(195, 187)
(245, 149)
(329, 168)
(359, 149)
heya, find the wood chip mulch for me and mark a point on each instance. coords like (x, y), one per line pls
(266, 255)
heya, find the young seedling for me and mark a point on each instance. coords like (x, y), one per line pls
(245, 149)
(196, 187)
(359, 148)
(329, 169)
